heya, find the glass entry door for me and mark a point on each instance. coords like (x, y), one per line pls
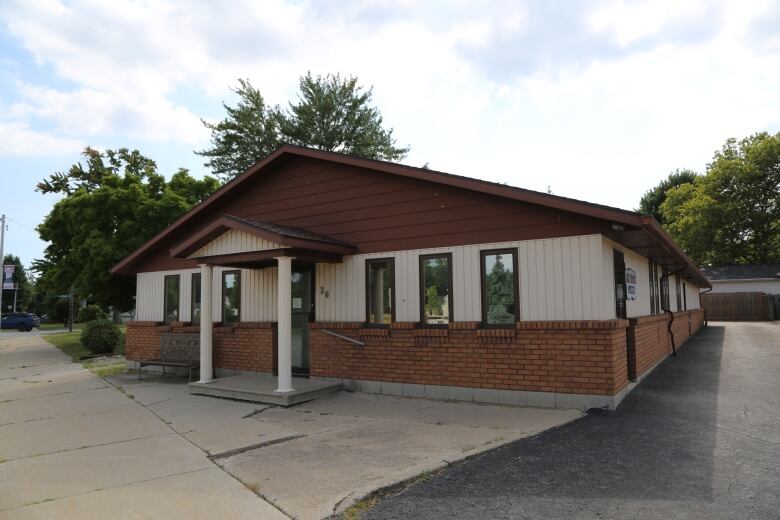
(302, 314)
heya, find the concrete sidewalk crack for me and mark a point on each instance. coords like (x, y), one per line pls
(66, 450)
(106, 488)
(237, 451)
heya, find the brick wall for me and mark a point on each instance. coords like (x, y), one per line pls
(245, 346)
(581, 357)
(649, 341)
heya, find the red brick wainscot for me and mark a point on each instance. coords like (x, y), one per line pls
(649, 341)
(572, 357)
(247, 346)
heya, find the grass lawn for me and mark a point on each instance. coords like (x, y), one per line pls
(57, 326)
(70, 343)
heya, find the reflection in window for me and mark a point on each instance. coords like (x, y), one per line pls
(499, 300)
(435, 282)
(379, 298)
(195, 304)
(171, 298)
(231, 296)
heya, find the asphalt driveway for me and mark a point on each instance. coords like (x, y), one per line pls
(699, 438)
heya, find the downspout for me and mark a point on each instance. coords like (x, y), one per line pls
(671, 314)
(700, 305)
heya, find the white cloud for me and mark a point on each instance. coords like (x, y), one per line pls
(18, 139)
(604, 127)
(631, 21)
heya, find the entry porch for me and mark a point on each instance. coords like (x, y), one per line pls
(263, 388)
(232, 242)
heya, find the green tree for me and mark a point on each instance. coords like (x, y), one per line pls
(332, 113)
(336, 114)
(651, 201)
(24, 291)
(731, 215)
(249, 133)
(112, 204)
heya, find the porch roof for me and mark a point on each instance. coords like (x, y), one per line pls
(301, 243)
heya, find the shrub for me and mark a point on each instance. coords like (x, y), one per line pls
(91, 313)
(101, 336)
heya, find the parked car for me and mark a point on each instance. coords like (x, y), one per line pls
(21, 321)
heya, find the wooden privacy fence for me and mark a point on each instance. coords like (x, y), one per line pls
(738, 306)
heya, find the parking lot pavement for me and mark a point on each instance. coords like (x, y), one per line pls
(73, 446)
(698, 438)
(319, 457)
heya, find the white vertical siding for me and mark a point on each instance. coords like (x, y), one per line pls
(692, 293)
(728, 286)
(234, 241)
(568, 278)
(554, 279)
(150, 294)
(258, 294)
(641, 265)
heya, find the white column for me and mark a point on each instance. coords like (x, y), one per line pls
(206, 325)
(284, 323)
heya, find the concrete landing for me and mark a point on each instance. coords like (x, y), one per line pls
(261, 388)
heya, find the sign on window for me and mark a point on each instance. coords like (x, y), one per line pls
(630, 284)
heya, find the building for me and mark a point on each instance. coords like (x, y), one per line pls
(407, 281)
(763, 278)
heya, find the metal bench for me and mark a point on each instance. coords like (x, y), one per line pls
(176, 350)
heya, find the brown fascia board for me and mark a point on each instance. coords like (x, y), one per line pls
(657, 232)
(534, 197)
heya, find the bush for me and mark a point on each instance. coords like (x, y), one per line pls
(101, 337)
(91, 313)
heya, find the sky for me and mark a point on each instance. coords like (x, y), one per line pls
(597, 100)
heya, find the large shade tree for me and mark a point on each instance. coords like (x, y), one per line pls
(113, 203)
(651, 201)
(332, 113)
(731, 215)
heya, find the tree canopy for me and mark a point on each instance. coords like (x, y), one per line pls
(112, 204)
(730, 215)
(332, 113)
(651, 201)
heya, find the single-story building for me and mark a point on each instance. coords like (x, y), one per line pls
(407, 281)
(743, 292)
(764, 278)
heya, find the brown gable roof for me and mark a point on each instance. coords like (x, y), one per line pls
(280, 234)
(618, 216)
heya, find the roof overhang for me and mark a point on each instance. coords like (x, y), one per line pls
(204, 235)
(651, 237)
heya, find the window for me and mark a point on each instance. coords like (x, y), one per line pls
(685, 297)
(171, 304)
(499, 287)
(195, 300)
(652, 271)
(231, 296)
(380, 291)
(678, 291)
(436, 289)
(664, 289)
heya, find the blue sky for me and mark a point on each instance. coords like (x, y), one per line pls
(598, 100)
